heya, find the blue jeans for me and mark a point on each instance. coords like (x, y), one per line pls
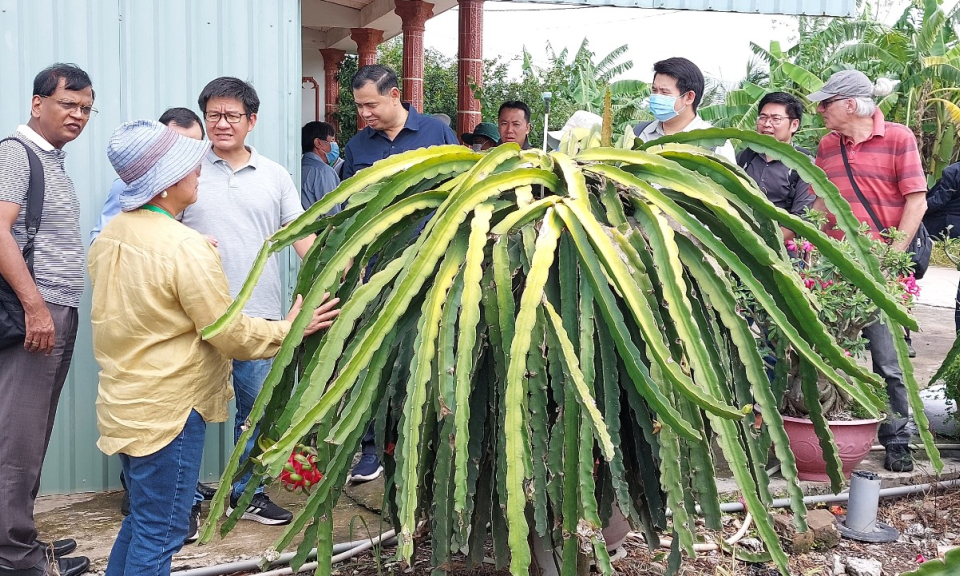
(248, 377)
(161, 488)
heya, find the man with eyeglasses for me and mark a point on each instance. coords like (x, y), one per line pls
(32, 373)
(780, 116)
(243, 199)
(863, 151)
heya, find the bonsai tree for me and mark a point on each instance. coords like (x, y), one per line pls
(539, 338)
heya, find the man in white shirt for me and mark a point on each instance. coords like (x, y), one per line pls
(674, 98)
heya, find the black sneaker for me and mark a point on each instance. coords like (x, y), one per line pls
(206, 491)
(367, 469)
(899, 458)
(262, 510)
(193, 529)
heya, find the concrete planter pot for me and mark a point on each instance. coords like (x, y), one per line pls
(854, 439)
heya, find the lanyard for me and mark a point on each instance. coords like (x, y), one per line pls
(156, 209)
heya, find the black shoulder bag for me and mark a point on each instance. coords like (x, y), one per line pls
(13, 326)
(922, 244)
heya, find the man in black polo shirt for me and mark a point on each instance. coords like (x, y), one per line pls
(780, 115)
(392, 127)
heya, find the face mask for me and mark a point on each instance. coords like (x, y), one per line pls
(662, 107)
(476, 147)
(333, 154)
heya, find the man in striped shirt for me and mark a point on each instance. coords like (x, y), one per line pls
(33, 373)
(885, 163)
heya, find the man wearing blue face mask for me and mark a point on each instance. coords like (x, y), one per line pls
(320, 153)
(674, 98)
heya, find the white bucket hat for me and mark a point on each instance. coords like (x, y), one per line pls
(149, 158)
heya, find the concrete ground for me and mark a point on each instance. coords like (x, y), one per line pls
(94, 519)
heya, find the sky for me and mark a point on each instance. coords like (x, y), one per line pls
(717, 42)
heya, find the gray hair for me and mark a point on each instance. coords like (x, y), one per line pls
(882, 87)
(865, 107)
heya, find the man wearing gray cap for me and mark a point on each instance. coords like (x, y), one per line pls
(876, 165)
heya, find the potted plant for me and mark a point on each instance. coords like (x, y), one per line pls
(561, 338)
(845, 310)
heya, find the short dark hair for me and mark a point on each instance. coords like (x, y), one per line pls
(383, 77)
(229, 87)
(687, 74)
(313, 130)
(74, 78)
(515, 105)
(184, 117)
(790, 102)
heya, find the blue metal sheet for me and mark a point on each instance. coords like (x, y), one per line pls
(144, 57)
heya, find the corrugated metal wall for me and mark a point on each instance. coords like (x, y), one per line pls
(144, 57)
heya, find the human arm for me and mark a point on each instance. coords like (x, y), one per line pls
(348, 169)
(202, 290)
(913, 211)
(449, 136)
(803, 198)
(39, 323)
(945, 190)
(111, 207)
(912, 182)
(290, 210)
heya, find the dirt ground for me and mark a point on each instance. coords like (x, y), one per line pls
(927, 524)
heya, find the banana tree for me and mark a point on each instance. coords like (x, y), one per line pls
(539, 338)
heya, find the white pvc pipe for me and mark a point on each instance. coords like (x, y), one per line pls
(877, 447)
(254, 565)
(346, 555)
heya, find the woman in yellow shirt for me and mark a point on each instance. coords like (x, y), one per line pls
(156, 284)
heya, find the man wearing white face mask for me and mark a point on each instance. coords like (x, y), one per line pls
(674, 97)
(320, 154)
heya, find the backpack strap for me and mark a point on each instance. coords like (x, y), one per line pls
(34, 208)
(639, 128)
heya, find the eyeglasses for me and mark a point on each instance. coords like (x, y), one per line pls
(70, 106)
(775, 119)
(826, 103)
(231, 117)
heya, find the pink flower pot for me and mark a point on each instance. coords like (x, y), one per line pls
(853, 439)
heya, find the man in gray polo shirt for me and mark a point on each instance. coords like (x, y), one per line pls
(779, 116)
(242, 199)
(32, 373)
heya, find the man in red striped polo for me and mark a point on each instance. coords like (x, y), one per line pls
(884, 162)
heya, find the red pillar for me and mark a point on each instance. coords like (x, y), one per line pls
(469, 64)
(367, 40)
(332, 58)
(413, 14)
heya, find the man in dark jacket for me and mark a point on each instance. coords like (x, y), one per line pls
(943, 213)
